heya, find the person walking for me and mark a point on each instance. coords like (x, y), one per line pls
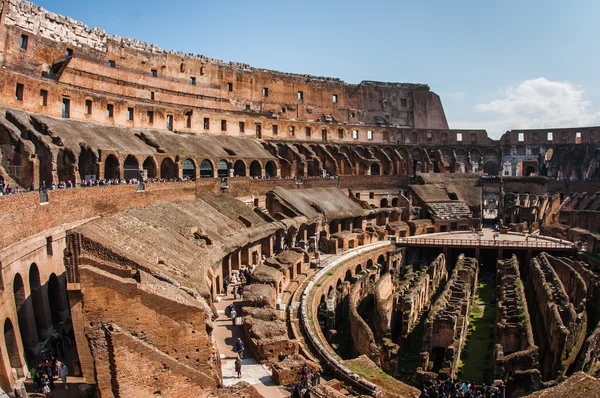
(63, 372)
(238, 367)
(239, 348)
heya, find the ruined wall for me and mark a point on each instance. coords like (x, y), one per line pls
(515, 350)
(195, 81)
(446, 326)
(414, 292)
(163, 323)
(555, 322)
(384, 305)
(363, 339)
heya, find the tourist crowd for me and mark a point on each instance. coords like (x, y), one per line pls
(455, 389)
(49, 368)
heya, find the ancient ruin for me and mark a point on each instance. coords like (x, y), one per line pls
(157, 206)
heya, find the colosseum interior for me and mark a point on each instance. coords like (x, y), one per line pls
(364, 239)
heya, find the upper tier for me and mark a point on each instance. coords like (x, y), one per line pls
(40, 43)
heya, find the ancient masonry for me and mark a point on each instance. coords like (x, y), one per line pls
(359, 222)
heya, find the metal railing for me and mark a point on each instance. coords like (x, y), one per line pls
(308, 325)
(531, 243)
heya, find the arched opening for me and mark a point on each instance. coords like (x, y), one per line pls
(25, 316)
(65, 165)
(338, 285)
(382, 263)
(348, 276)
(375, 169)
(12, 347)
(383, 202)
(55, 299)
(206, 169)
(270, 169)
(42, 322)
(168, 169)
(255, 169)
(490, 168)
(88, 165)
(369, 264)
(223, 169)
(530, 170)
(112, 168)
(330, 292)
(189, 169)
(358, 269)
(239, 168)
(394, 202)
(130, 167)
(150, 167)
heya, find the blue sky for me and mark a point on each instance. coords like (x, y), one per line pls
(496, 64)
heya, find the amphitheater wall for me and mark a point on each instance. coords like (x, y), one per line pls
(363, 339)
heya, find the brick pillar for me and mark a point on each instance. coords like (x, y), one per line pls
(41, 308)
(35, 165)
(100, 166)
(63, 302)
(83, 349)
(27, 326)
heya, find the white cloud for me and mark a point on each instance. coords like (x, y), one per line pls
(536, 103)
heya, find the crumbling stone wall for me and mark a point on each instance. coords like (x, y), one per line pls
(560, 329)
(363, 339)
(414, 292)
(446, 326)
(171, 327)
(515, 351)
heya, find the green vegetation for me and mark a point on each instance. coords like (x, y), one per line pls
(476, 357)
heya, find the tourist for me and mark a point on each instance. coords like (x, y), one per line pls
(239, 347)
(238, 367)
(316, 380)
(225, 285)
(233, 315)
(240, 291)
(63, 372)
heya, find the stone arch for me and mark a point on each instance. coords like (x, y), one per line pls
(112, 168)
(529, 171)
(358, 269)
(25, 316)
(382, 261)
(223, 168)
(168, 169)
(206, 169)
(331, 289)
(88, 163)
(130, 167)
(375, 169)
(12, 346)
(369, 263)
(338, 285)
(189, 169)
(150, 167)
(255, 169)
(394, 202)
(65, 165)
(271, 169)
(383, 203)
(348, 276)
(491, 168)
(239, 168)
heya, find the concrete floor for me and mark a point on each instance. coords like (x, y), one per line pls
(225, 335)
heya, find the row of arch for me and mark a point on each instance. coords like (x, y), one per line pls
(39, 308)
(169, 169)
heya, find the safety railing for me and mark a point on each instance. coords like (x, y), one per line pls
(530, 243)
(309, 327)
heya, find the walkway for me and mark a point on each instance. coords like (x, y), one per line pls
(225, 335)
(486, 240)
